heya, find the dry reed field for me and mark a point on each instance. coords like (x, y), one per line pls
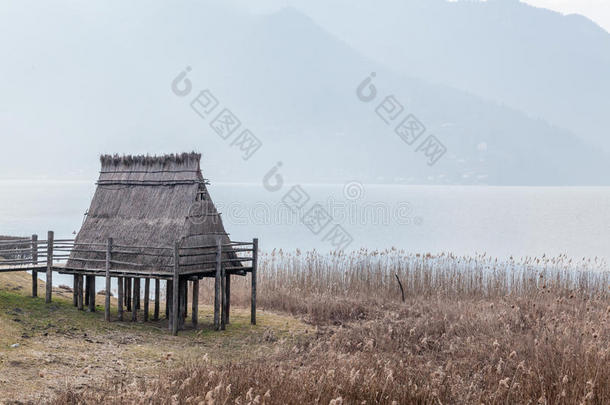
(471, 330)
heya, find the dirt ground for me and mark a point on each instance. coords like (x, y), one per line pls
(44, 348)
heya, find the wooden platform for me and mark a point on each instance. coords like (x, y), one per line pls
(188, 265)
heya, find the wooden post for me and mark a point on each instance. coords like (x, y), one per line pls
(186, 298)
(223, 299)
(254, 268)
(91, 293)
(121, 285)
(107, 301)
(49, 291)
(87, 286)
(35, 263)
(128, 293)
(228, 299)
(175, 290)
(217, 283)
(75, 290)
(136, 298)
(79, 296)
(195, 308)
(146, 298)
(157, 297)
(182, 302)
(168, 299)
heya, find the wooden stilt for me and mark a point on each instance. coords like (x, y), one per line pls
(120, 298)
(228, 299)
(217, 285)
(34, 262)
(79, 296)
(182, 302)
(146, 298)
(254, 269)
(223, 300)
(176, 290)
(49, 290)
(186, 298)
(157, 297)
(107, 300)
(87, 286)
(91, 293)
(195, 308)
(136, 296)
(74, 289)
(128, 293)
(168, 298)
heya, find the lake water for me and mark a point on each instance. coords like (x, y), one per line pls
(501, 221)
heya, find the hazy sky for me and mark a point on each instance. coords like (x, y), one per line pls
(596, 10)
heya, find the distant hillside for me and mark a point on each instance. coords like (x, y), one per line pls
(103, 85)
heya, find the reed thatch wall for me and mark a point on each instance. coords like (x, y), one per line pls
(151, 201)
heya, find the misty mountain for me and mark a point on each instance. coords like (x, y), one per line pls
(538, 61)
(71, 92)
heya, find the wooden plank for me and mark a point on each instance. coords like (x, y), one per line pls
(254, 269)
(49, 281)
(34, 262)
(176, 290)
(217, 284)
(108, 263)
(195, 308)
(146, 298)
(157, 297)
(120, 298)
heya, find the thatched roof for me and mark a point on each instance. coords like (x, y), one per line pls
(150, 201)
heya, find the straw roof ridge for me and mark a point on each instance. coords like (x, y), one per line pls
(148, 160)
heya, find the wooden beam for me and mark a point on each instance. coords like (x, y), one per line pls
(120, 298)
(157, 297)
(175, 290)
(195, 308)
(254, 269)
(49, 285)
(34, 262)
(217, 284)
(108, 259)
(146, 298)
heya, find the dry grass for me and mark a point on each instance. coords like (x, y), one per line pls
(471, 331)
